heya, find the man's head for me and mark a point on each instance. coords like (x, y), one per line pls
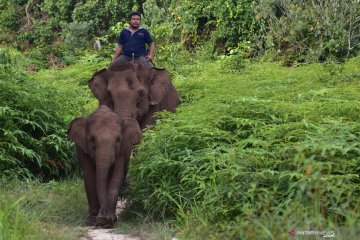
(135, 19)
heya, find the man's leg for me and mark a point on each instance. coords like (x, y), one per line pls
(124, 58)
(145, 62)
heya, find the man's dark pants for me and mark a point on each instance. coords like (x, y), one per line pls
(142, 59)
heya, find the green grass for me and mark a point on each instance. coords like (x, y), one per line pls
(255, 153)
(71, 87)
(32, 210)
(144, 228)
(56, 210)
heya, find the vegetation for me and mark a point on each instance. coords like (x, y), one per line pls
(297, 31)
(256, 154)
(31, 210)
(264, 142)
(35, 111)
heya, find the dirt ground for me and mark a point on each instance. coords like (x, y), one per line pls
(94, 233)
(106, 234)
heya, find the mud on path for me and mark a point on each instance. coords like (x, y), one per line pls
(94, 233)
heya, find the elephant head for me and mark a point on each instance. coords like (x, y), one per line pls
(135, 92)
(98, 86)
(103, 145)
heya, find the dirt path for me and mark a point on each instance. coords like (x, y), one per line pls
(108, 234)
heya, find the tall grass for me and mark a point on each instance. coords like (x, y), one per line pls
(10, 222)
(34, 113)
(259, 153)
(30, 210)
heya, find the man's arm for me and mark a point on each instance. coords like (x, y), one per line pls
(117, 52)
(150, 56)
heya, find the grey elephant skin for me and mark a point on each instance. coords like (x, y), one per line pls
(134, 91)
(104, 143)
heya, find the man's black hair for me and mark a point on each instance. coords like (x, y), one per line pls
(134, 14)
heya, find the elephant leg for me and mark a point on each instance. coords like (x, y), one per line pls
(125, 181)
(108, 218)
(114, 186)
(88, 168)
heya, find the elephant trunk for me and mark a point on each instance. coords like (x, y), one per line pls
(104, 162)
(125, 113)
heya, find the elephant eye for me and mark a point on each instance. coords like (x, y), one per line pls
(110, 94)
(92, 147)
(141, 93)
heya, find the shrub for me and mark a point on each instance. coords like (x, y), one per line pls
(32, 135)
(311, 31)
(254, 155)
(77, 34)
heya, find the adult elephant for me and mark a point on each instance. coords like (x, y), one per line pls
(134, 91)
(103, 146)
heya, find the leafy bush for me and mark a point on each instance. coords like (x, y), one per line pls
(32, 134)
(286, 28)
(311, 31)
(35, 109)
(77, 34)
(255, 155)
(40, 26)
(9, 19)
(224, 23)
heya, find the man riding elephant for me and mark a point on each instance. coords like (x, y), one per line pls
(134, 91)
(131, 43)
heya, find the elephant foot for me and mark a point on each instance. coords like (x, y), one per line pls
(90, 220)
(105, 222)
(91, 217)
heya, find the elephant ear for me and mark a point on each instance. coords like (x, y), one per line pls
(77, 133)
(159, 85)
(98, 85)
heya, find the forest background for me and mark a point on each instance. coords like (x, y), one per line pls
(270, 161)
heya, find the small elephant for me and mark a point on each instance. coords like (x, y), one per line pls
(134, 91)
(104, 144)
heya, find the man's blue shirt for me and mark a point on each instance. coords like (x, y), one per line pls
(134, 42)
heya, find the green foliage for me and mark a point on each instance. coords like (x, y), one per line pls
(77, 34)
(255, 155)
(11, 221)
(9, 19)
(310, 31)
(40, 26)
(32, 134)
(5, 59)
(235, 60)
(103, 13)
(59, 10)
(285, 29)
(227, 22)
(30, 210)
(34, 115)
(57, 211)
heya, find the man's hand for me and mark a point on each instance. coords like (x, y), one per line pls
(117, 52)
(149, 58)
